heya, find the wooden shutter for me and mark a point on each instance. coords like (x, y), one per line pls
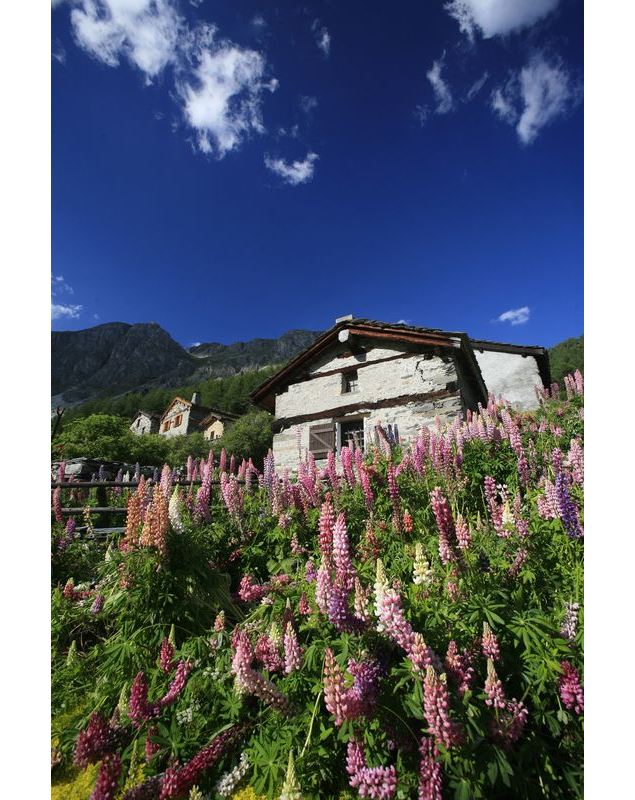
(322, 440)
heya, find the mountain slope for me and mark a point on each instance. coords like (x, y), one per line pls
(566, 357)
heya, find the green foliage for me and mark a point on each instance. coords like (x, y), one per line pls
(250, 436)
(566, 357)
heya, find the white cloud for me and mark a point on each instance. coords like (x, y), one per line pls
(497, 17)
(308, 103)
(259, 21)
(422, 113)
(219, 84)
(145, 32)
(293, 173)
(58, 52)
(540, 93)
(59, 311)
(476, 87)
(440, 88)
(222, 98)
(515, 316)
(59, 285)
(322, 37)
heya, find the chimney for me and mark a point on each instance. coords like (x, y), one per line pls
(347, 318)
(195, 398)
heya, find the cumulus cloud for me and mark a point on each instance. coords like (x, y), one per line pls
(295, 172)
(539, 94)
(497, 17)
(218, 84)
(222, 98)
(322, 37)
(440, 87)
(59, 311)
(515, 316)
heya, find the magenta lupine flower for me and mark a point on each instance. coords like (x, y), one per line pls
(494, 688)
(364, 479)
(496, 510)
(575, 461)
(267, 653)
(570, 688)
(107, 782)
(508, 724)
(139, 710)
(362, 695)
(392, 620)
(436, 705)
(459, 667)
(177, 781)
(250, 591)
(344, 569)
(463, 536)
(489, 643)
(96, 740)
(303, 605)
(166, 655)
(250, 681)
(310, 572)
(292, 652)
(430, 782)
(347, 466)
(335, 693)
(183, 669)
(422, 656)
(98, 604)
(201, 507)
(151, 748)
(57, 505)
(379, 783)
(393, 489)
(445, 525)
(325, 525)
(323, 586)
(519, 560)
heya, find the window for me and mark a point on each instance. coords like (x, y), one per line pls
(138, 422)
(177, 420)
(349, 382)
(352, 434)
(322, 440)
(166, 426)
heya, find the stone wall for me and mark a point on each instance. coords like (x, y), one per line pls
(214, 430)
(414, 374)
(146, 424)
(179, 430)
(511, 375)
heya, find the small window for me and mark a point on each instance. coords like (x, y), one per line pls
(166, 426)
(352, 434)
(138, 422)
(321, 440)
(349, 382)
(177, 420)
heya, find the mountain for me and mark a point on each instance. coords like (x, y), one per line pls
(118, 357)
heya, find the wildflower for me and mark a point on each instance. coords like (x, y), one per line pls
(249, 680)
(107, 782)
(226, 785)
(323, 586)
(166, 655)
(436, 706)
(151, 747)
(310, 572)
(570, 688)
(344, 569)
(291, 788)
(567, 509)
(494, 687)
(94, 742)
(175, 509)
(570, 622)
(303, 606)
(459, 667)
(489, 643)
(334, 691)
(510, 722)
(57, 505)
(462, 533)
(407, 521)
(183, 669)
(325, 524)
(519, 560)
(379, 783)
(429, 772)
(361, 602)
(98, 604)
(250, 591)
(445, 525)
(219, 622)
(422, 574)
(292, 652)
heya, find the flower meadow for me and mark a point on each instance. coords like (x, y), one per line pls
(401, 623)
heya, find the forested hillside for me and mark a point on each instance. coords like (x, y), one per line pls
(566, 357)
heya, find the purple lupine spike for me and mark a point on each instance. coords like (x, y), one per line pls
(567, 509)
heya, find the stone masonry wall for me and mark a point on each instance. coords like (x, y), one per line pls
(511, 375)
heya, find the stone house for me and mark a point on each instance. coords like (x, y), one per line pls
(188, 416)
(361, 373)
(145, 422)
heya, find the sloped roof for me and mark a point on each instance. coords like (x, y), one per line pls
(151, 414)
(199, 410)
(264, 395)
(215, 414)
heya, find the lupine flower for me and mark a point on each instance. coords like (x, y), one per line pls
(94, 742)
(567, 509)
(430, 783)
(107, 783)
(177, 781)
(445, 525)
(291, 788)
(462, 533)
(303, 606)
(323, 586)
(570, 688)
(519, 560)
(494, 688)
(156, 523)
(325, 525)
(334, 692)
(362, 696)
(219, 622)
(292, 652)
(575, 461)
(379, 783)
(344, 569)
(266, 652)
(436, 706)
(361, 602)
(175, 510)
(489, 643)
(422, 574)
(422, 656)
(250, 591)
(459, 667)
(509, 723)
(166, 655)
(570, 622)
(98, 604)
(393, 490)
(248, 680)
(226, 785)
(151, 748)
(309, 571)
(407, 521)
(57, 505)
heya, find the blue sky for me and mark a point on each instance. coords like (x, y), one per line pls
(237, 169)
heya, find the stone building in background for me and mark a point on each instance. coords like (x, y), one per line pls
(189, 416)
(361, 373)
(145, 422)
